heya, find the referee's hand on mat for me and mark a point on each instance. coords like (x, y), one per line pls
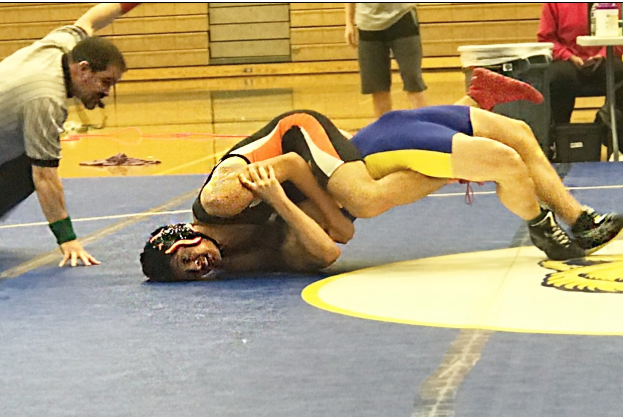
(72, 251)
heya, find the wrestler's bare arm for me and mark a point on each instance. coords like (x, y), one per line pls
(292, 167)
(225, 196)
(297, 257)
(257, 258)
(307, 246)
(100, 16)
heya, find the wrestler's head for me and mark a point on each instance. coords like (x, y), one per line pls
(180, 253)
(95, 66)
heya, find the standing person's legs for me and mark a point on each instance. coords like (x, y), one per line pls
(416, 99)
(382, 102)
(405, 42)
(375, 72)
(15, 183)
(408, 55)
(564, 85)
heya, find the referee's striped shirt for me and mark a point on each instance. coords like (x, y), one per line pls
(33, 98)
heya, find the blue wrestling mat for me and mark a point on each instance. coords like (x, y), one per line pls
(100, 342)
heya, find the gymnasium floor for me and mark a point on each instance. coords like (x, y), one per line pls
(436, 309)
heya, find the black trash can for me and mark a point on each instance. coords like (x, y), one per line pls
(579, 142)
(525, 62)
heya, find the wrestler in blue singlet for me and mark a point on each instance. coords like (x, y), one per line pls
(420, 140)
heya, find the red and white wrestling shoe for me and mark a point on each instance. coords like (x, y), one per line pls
(489, 89)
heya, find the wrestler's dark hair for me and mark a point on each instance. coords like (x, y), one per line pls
(156, 265)
(99, 53)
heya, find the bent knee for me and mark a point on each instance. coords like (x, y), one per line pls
(510, 169)
(364, 202)
(364, 210)
(525, 134)
(511, 164)
(520, 125)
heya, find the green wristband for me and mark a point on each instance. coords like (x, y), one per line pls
(63, 230)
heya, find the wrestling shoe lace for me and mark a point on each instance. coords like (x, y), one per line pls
(548, 236)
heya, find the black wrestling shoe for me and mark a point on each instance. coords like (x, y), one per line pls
(593, 230)
(548, 236)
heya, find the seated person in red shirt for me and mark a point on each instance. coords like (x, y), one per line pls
(574, 66)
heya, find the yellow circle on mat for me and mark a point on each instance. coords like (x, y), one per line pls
(511, 290)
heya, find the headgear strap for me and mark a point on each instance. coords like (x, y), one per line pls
(169, 238)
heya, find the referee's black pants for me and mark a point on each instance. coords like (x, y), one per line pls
(16, 183)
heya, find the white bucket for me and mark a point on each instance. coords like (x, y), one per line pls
(484, 55)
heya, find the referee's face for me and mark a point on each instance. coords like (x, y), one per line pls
(93, 87)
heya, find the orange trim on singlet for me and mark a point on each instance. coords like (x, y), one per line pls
(270, 149)
(304, 121)
(313, 128)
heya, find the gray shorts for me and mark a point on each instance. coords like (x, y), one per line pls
(375, 61)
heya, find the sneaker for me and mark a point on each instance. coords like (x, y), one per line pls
(548, 236)
(593, 231)
(489, 89)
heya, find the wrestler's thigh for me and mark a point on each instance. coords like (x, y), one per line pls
(482, 159)
(350, 179)
(511, 132)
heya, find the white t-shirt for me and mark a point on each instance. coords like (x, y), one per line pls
(380, 16)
